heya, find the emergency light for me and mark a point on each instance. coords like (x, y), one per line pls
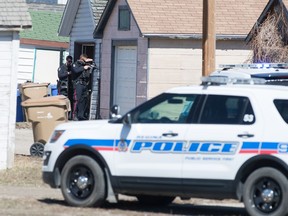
(255, 65)
(220, 80)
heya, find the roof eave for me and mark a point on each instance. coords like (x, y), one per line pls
(68, 18)
(14, 28)
(194, 36)
(45, 43)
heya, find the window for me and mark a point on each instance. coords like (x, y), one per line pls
(123, 18)
(166, 108)
(219, 109)
(282, 107)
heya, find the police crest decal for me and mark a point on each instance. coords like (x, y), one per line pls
(122, 146)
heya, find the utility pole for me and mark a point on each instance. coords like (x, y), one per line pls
(209, 37)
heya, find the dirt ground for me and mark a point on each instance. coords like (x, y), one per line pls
(22, 192)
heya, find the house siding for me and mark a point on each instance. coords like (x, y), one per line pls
(25, 63)
(9, 44)
(175, 62)
(111, 34)
(83, 27)
(232, 52)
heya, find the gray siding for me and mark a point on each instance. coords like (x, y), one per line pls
(83, 26)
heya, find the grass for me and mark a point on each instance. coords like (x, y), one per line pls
(25, 172)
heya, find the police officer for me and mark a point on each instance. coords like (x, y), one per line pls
(81, 75)
(64, 84)
(64, 74)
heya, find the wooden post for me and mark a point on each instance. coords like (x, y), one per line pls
(209, 38)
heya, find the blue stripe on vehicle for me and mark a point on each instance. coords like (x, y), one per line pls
(250, 145)
(94, 142)
(90, 142)
(269, 145)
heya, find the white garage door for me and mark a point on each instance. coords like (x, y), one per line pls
(125, 78)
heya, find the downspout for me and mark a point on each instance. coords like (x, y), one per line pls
(34, 65)
(98, 116)
(147, 69)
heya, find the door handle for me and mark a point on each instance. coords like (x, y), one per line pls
(170, 134)
(245, 135)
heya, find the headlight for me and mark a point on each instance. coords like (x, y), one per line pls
(56, 135)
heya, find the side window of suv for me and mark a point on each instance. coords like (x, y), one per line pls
(222, 109)
(282, 107)
(166, 108)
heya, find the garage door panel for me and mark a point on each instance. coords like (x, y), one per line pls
(125, 77)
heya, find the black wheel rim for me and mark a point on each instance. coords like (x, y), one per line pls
(81, 182)
(267, 195)
(37, 149)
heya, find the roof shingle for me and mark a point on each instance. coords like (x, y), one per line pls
(45, 27)
(14, 13)
(98, 8)
(233, 17)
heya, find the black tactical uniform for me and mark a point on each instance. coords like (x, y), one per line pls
(64, 83)
(80, 78)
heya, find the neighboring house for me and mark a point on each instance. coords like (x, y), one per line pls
(42, 51)
(79, 21)
(269, 35)
(150, 46)
(14, 17)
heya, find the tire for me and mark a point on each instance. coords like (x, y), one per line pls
(37, 149)
(266, 193)
(83, 183)
(155, 200)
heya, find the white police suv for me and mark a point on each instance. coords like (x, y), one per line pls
(207, 141)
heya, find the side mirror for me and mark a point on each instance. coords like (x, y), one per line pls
(127, 119)
(114, 112)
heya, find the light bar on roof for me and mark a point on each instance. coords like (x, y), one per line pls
(220, 80)
(255, 65)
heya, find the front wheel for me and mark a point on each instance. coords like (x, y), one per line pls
(83, 182)
(265, 193)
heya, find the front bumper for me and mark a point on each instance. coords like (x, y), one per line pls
(52, 178)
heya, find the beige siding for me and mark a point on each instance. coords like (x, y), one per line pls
(232, 52)
(173, 63)
(179, 62)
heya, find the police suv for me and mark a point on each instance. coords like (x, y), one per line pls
(208, 141)
(272, 73)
